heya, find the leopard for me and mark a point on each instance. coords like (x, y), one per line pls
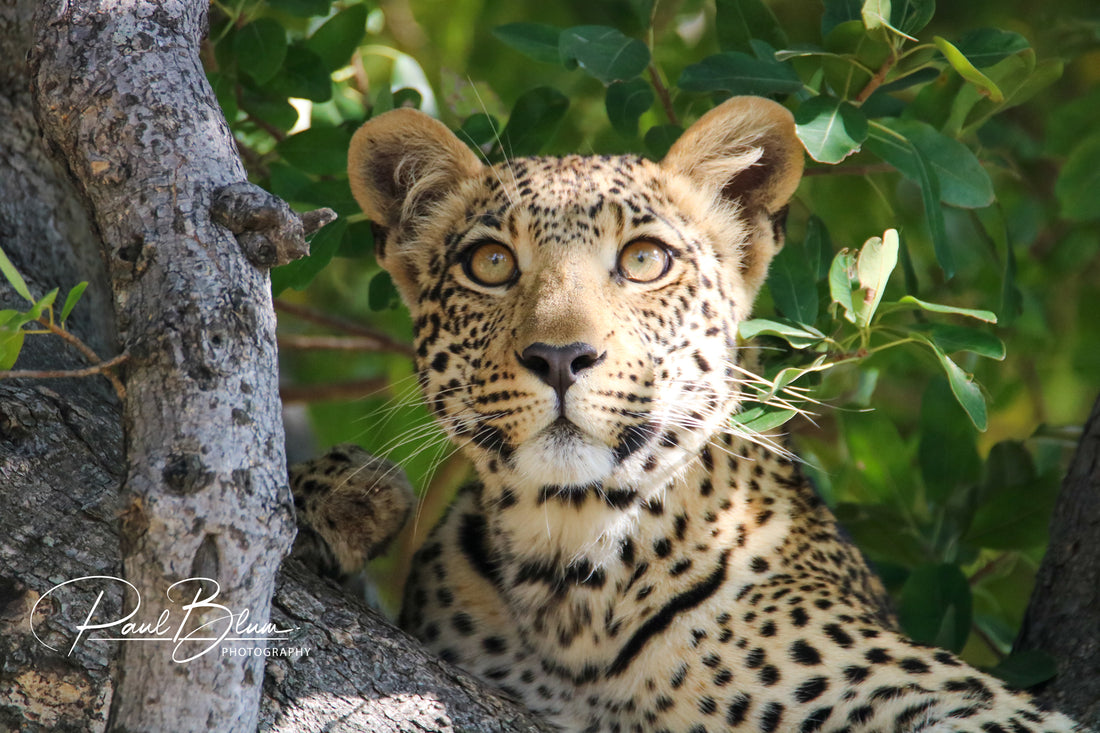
(629, 557)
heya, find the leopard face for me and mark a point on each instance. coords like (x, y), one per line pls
(576, 318)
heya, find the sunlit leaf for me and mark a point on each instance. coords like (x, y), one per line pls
(797, 336)
(877, 260)
(762, 419)
(841, 273)
(968, 71)
(829, 128)
(11, 342)
(964, 388)
(13, 277)
(908, 301)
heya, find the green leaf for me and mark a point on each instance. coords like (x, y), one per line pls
(408, 97)
(534, 120)
(1026, 668)
(762, 419)
(1016, 503)
(322, 247)
(11, 342)
(269, 107)
(797, 336)
(965, 389)
(988, 46)
(738, 22)
(303, 75)
(40, 307)
(382, 295)
(961, 178)
(818, 247)
(338, 37)
(534, 40)
(952, 338)
(856, 54)
(260, 48)
(877, 260)
(936, 606)
(225, 90)
(908, 301)
(947, 452)
(792, 281)
(830, 129)
(358, 240)
(841, 272)
(910, 16)
(626, 102)
(1079, 181)
(659, 138)
(318, 150)
(12, 275)
(968, 71)
(739, 73)
(883, 532)
(603, 52)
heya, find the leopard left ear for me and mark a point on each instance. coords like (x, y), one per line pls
(745, 152)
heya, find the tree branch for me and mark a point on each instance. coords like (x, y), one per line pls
(384, 341)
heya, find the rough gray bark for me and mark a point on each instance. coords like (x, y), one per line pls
(63, 455)
(121, 95)
(1064, 612)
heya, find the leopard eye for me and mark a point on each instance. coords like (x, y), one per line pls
(490, 264)
(644, 260)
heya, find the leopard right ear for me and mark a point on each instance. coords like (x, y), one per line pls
(402, 161)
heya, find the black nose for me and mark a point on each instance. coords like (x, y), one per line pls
(559, 366)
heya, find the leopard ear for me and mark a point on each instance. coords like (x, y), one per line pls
(745, 152)
(402, 161)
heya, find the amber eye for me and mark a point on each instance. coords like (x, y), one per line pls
(491, 264)
(644, 260)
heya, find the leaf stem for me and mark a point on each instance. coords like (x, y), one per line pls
(663, 95)
(877, 79)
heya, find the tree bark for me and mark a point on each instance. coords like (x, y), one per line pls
(1064, 611)
(196, 320)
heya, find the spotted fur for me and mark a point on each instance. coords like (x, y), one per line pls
(627, 560)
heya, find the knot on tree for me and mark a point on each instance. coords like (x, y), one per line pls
(269, 231)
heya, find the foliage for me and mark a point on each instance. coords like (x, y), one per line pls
(947, 146)
(16, 324)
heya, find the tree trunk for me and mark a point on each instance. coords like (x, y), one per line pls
(1064, 612)
(198, 477)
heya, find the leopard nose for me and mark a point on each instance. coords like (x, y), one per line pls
(559, 366)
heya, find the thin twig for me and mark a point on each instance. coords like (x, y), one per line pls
(329, 343)
(88, 354)
(662, 93)
(353, 390)
(384, 341)
(876, 80)
(103, 367)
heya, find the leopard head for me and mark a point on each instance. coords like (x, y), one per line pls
(576, 318)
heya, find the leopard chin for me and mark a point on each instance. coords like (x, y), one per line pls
(563, 455)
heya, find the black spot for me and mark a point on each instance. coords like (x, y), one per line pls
(681, 567)
(912, 665)
(861, 715)
(439, 362)
(462, 623)
(678, 676)
(855, 675)
(759, 565)
(911, 713)
(630, 439)
(838, 635)
(771, 717)
(507, 499)
(815, 720)
(811, 689)
(491, 438)
(494, 644)
(722, 677)
(739, 706)
(663, 703)
(946, 658)
(472, 535)
(620, 498)
(799, 617)
(707, 706)
(803, 653)
(700, 362)
(662, 547)
(877, 655)
(767, 629)
(769, 675)
(755, 658)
